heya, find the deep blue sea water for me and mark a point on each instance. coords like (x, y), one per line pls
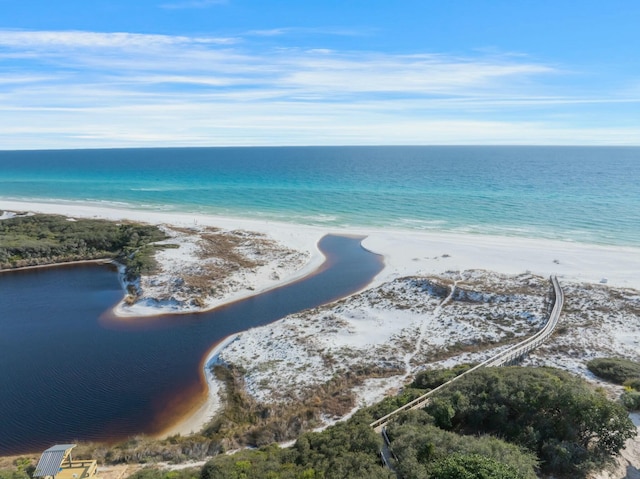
(585, 194)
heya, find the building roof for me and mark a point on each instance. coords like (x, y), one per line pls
(51, 460)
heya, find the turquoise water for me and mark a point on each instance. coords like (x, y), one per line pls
(584, 194)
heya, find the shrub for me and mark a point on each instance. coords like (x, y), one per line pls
(569, 425)
(346, 451)
(419, 446)
(616, 370)
(631, 400)
(632, 384)
(155, 473)
(46, 239)
(432, 378)
(10, 474)
(472, 466)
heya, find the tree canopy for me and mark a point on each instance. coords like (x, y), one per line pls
(473, 466)
(347, 450)
(568, 424)
(46, 239)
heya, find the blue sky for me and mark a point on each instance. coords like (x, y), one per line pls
(111, 73)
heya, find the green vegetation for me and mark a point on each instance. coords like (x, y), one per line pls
(424, 450)
(620, 371)
(12, 474)
(155, 473)
(571, 427)
(517, 420)
(432, 378)
(245, 422)
(48, 239)
(23, 469)
(631, 400)
(616, 370)
(345, 451)
(473, 466)
(145, 450)
(632, 384)
(494, 423)
(390, 404)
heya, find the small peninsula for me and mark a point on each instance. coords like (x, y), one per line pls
(425, 318)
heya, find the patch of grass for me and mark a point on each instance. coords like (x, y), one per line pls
(225, 254)
(246, 422)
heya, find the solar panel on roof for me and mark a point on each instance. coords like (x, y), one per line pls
(51, 460)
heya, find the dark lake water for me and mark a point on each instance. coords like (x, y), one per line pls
(69, 371)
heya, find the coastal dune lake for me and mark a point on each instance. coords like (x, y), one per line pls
(68, 370)
(71, 371)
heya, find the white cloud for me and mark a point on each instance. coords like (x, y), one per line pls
(122, 89)
(427, 75)
(314, 73)
(48, 40)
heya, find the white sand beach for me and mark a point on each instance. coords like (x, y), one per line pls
(406, 253)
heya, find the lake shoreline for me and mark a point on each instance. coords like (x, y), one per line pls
(405, 254)
(104, 261)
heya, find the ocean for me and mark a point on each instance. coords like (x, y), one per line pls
(71, 372)
(578, 194)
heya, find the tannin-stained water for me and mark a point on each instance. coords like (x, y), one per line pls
(70, 371)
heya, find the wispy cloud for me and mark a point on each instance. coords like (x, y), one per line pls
(138, 58)
(98, 89)
(45, 40)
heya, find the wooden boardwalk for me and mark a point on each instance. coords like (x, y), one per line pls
(507, 357)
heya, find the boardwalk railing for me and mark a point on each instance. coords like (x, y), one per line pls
(506, 357)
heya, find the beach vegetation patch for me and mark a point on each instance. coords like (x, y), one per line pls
(631, 400)
(616, 370)
(13, 474)
(248, 422)
(491, 424)
(49, 239)
(157, 473)
(346, 451)
(142, 449)
(432, 378)
(423, 450)
(572, 427)
(351, 449)
(473, 466)
(222, 262)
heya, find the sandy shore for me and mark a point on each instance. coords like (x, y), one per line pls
(405, 252)
(195, 420)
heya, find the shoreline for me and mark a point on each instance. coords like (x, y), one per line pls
(137, 311)
(55, 265)
(405, 253)
(210, 404)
